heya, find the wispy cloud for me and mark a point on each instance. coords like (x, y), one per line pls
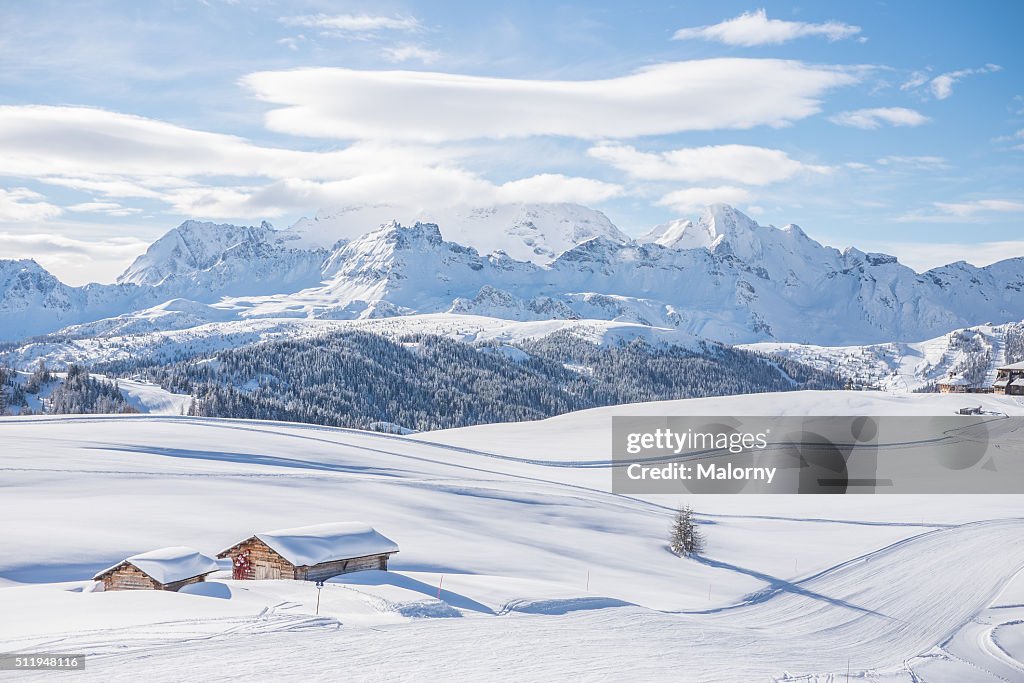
(692, 199)
(755, 28)
(971, 208)
(923, 162)
(941, 86)
(292, 42)
(413, 53)
(118, 156)
(965, 211)
(354, 23)
(21, 205)
(1017, 137)
(74, 261)
(745, 164)
(663, 98)
(106, 208)
(869, 119)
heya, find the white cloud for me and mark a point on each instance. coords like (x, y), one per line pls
(735, 163)
(694, 199)
(558, 187)
(292, 42)
(961, 212)
(72, 260)
(414, 188)
(916, 162)
(970, 208)
(21, 205)
(354, 23)
(433, 107)
(755, 28)
(916, 80)
(116, 156)
(874, 118)
(942, 85)
(95, 144)
(406, 53)
(107, 208)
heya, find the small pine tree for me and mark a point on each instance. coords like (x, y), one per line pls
(685, 538)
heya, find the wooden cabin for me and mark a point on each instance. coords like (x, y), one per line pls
(310, 553)
(954, 385)
(164, 569)
(1009, 380)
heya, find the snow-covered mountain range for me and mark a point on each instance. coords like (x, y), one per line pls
(722, 277)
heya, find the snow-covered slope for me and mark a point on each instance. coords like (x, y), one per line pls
(969, 354)
(506, 544)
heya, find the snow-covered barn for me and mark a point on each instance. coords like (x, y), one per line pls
(311, 553)
(165, 569)
(958, 384)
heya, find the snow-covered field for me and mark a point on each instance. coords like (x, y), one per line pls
(516, 559)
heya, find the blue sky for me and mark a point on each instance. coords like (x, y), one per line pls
(896, 127)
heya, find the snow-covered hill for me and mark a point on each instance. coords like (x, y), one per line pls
(969, 354)
(723, 277)
(515, 558)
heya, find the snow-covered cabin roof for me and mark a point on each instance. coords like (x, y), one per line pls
(309, 545)
(1012, 366)
(167, 565)
(1000, 382)
(1019, 382)
(955, 381)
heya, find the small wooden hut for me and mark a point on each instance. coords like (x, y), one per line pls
(164, 569)
(310, 553)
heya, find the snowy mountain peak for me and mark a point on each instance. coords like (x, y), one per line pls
(407, 237)
(526, 232)
(14, 267)
(723, 223)
(193, 245)
(680, 233)
(717, 224)
(532, 232)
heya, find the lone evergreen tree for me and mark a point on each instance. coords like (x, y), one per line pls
(685, 539)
